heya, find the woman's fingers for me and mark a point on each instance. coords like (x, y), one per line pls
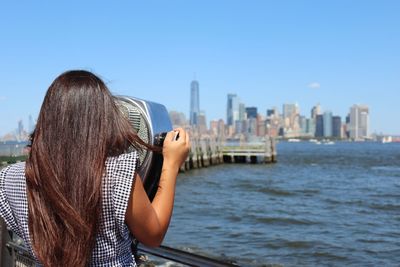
(181, 134)
(187, 141)
(169, 137)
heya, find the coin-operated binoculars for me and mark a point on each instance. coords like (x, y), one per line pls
(151, 122)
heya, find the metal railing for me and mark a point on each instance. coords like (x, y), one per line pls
(15, 254)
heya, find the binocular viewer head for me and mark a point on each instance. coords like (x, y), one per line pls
(151, 122)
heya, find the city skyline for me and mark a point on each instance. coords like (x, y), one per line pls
(269, 53)
(292, 123)
(236, 110)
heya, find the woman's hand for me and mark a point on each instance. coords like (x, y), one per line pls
(176, 148)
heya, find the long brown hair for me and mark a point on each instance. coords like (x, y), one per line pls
(78, 127)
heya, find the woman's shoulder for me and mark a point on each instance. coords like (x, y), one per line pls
(131, 156)
(13, 169)
(121, 163)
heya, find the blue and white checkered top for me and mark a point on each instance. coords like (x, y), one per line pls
(113, 242)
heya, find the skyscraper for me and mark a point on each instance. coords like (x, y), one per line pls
(252, 126)
(310, 126)
(337, 127)
(327, 124)
(273, 122)
(303, 125)
(202, 122)
(316, 110)
(290, 110)
(291, 113)
(319, 126)
(20, 128)
(359, 122)
(242, 111)
(194, 102)
(270, 112)
(232, 110)
(251, 112)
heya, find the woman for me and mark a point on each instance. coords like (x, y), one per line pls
(78, 199)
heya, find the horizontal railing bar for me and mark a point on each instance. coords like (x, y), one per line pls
(184, 257)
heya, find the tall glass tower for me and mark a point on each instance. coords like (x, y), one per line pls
(233, 110)
(194, 102)
(327, 123)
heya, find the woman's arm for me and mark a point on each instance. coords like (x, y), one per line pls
(149, 221)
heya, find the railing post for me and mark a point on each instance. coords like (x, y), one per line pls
(5, 256)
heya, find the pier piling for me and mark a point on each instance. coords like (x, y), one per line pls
(206, 151)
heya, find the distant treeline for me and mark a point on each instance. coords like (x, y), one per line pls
(5, 160)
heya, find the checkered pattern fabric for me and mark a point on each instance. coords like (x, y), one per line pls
(113, 242)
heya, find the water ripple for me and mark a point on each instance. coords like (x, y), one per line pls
(383, 207)
(329, 256)
(275, 192)
(284, 220)
(294, 244)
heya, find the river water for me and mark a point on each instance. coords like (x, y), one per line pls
(320, 205)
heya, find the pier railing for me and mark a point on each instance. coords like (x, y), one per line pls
(207, 151)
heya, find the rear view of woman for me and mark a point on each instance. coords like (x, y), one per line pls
(78, 200)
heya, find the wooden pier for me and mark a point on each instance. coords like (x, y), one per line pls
(206, 151)
(253, 152)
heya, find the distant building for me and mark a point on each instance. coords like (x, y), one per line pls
(271, 112)
(347, 126)
(359, 122)
(217, 128)
(252, 126)
(178, 119)
(221, 128)
(261, 126)
(242, 112)
(273, 122)
(202, 122)
(240, 126)
(290, 111)
(20, 128)
(194, 102)
(337, 127)
(310, 127)
(291, 124)
(303, 125)
(31, 125)
(251, 112)
(319, 126)
(232, 110)
(316, 110)
(327, 124)
(214, 127)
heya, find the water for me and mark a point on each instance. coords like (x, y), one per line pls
(319, 205)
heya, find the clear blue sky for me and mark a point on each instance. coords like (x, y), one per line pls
(267, 52)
